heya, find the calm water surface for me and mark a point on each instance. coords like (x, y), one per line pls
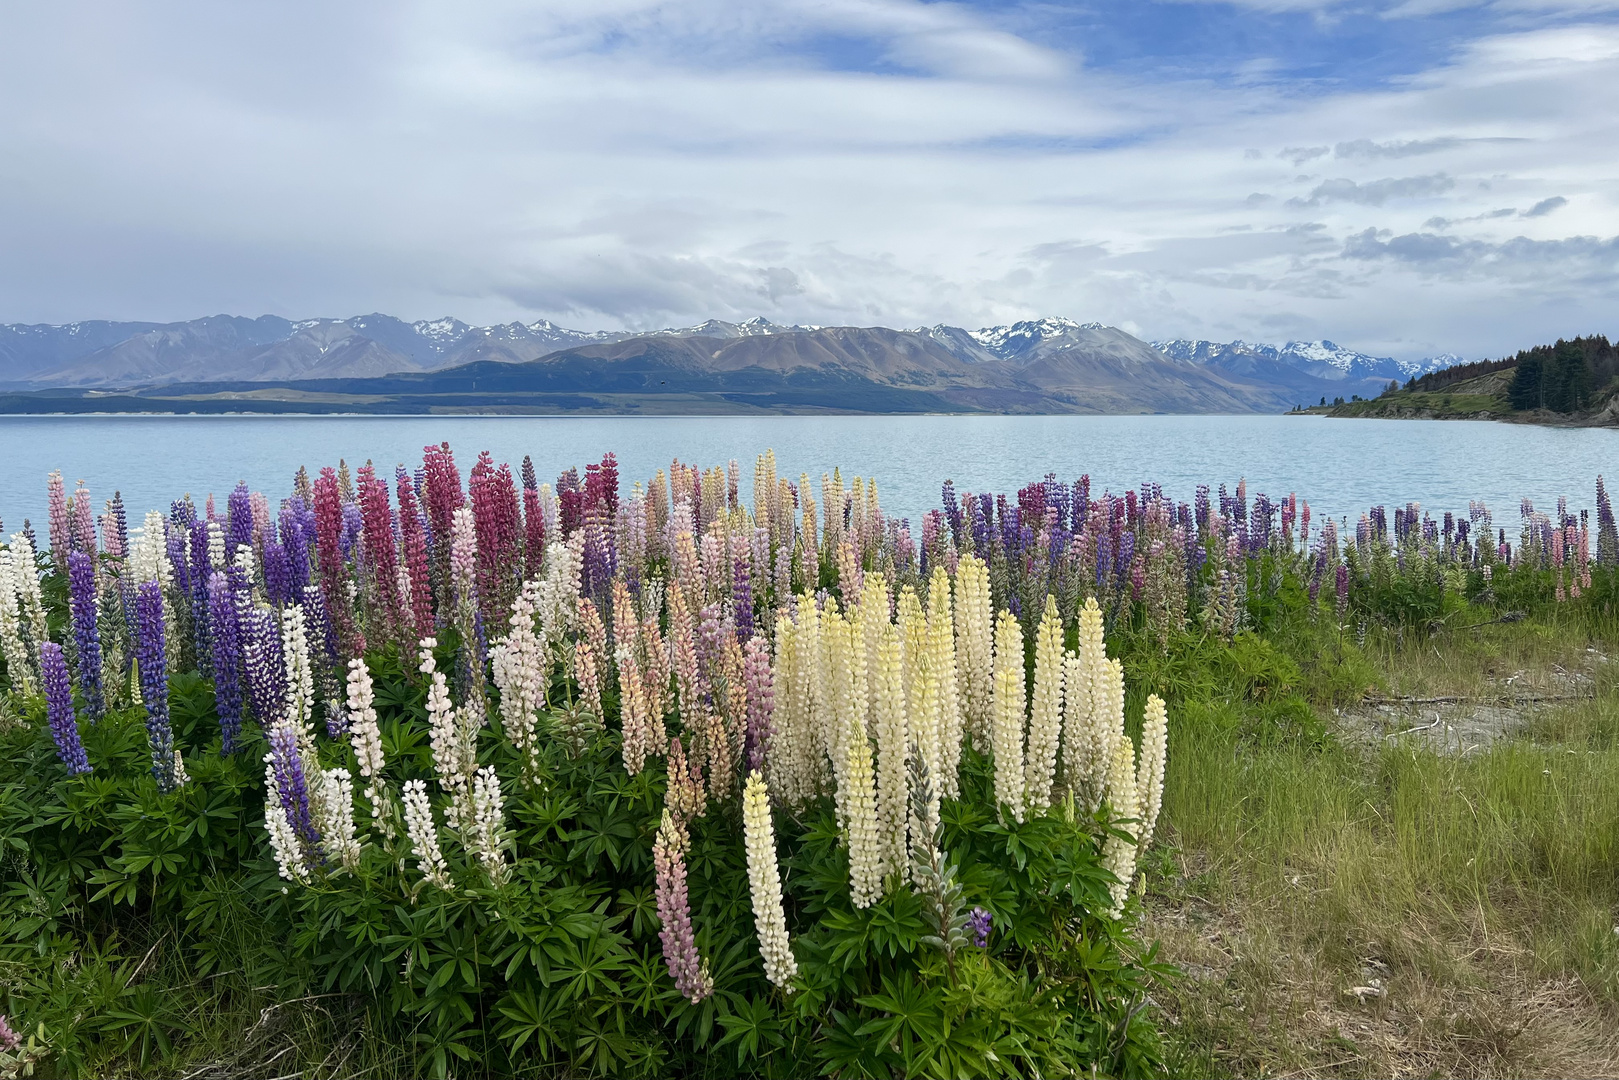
(1340, 466)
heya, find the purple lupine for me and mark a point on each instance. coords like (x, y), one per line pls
(81, 578)
(297, 530)
(239, 529)
(227, 656)
(1317, 575)
(757, 675)
(1607, 533)
(292, 784)
(353, 527)
(262, 663)
(1343, 589)
(59, 704)
(120, 524)
(179, 565)
(154, 681)
(979, 923)
(200, 573)
(277, 575)
(9, 1040)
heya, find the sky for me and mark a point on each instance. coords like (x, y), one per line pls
(1404, 177)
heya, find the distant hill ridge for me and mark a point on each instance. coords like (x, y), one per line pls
(1039, 365)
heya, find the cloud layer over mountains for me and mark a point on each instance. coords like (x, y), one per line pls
(1419, 176)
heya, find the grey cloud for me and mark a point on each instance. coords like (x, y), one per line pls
(1545, 206)
(1367, 149)
(1376, 192)
(1445, 223)
(1298, 155)
(1576, 258)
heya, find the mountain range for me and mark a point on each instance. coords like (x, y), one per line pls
(1043, 365)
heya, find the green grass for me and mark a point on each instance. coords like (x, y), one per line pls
(1437, 403)
(1476, 891)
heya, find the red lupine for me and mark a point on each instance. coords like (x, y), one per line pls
(494, 516)
(533, 521)
(329, 545)
(442, 491)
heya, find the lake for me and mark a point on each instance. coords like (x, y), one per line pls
(1340, 466)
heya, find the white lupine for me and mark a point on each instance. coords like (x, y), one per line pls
(1086, 739)
(941, 646)
(1045, 710)
(974, 647)
(25, 579)
(1119, 855)
(764, 881)
(216, 546)
(423, 833)
(148, 557)
(522, 672)
(489, 825)
(180, 776)
(557, 595)
(366, 738)
(893, 750)
(1150, 770)
(300, 700)
(284, 842)
(453, 736)
(1007, 721)
(334, 816)
(860, 804)
(18, 663)
(364, 734)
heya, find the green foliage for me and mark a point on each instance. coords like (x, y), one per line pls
(135, 926)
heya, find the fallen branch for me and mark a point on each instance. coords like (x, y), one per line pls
(1506, 699)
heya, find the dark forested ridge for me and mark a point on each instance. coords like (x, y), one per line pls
(1565, 377)
(1574, 380)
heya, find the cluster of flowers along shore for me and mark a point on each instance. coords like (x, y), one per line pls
(805, 647)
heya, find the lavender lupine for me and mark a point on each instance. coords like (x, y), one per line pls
(686, 966)
(978, 924)
(239, 527)
(59, 708)
(82, 603)
(761, 702)
(154, 682)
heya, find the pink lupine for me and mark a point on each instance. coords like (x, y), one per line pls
(761, 701)
(680, 954)
(377, 540)
(333, 573)
(683, 652)
(441, 490)
(260, 507)
(84, 525)
(533, 521)
(414, 542)
(658, 672)
(495, 518)
(61, 530)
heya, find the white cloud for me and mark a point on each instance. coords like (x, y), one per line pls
(628, 162)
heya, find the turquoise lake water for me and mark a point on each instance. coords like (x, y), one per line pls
(1340, 466)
